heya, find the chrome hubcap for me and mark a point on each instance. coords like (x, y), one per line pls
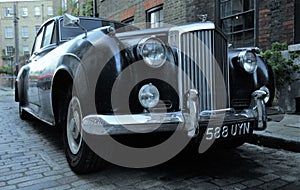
(74, 125)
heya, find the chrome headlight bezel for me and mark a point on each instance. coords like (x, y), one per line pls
(153, 51)
(149, 96)
(248, 61)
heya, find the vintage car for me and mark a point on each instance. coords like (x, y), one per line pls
(98, 78)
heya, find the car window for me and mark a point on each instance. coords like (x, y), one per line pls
(54, 36)
(48, 34)
(38, 41)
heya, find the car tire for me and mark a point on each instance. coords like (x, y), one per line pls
(80, 157)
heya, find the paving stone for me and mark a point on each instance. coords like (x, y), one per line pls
(62, 187)
(234, 186)
(25, 178)
(290, 178)
(252, 183)
(41, 180)
(10, 187)
(276, 184)
(204, 186)
(2, 184)
(5, 177)
(42, 185)
(38, 171)
(68, 180)
(269, 177)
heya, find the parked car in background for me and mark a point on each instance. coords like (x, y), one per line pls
(94, 77)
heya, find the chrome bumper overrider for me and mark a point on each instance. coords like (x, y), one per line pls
(189, 121)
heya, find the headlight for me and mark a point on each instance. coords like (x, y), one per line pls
(248, 61)
(267, 98)
(153, 51)
(149, 96)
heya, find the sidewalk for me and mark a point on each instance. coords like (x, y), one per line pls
(283, 135)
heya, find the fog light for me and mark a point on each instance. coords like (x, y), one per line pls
(149, 96)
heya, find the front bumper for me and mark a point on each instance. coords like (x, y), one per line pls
(191, 121)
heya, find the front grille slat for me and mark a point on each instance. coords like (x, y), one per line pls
(201, 49)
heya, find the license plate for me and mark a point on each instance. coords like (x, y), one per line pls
(228, 131)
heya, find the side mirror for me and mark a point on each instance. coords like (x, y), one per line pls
(71, 21)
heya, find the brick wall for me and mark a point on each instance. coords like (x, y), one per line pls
(148, 4)
(275, 22)
(196, 7)
(174, 10)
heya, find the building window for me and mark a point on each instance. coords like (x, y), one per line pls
(36, 29)
(129, 20)
(64, 4)
(8, 32)
(24, 12)
(37, 11)
(238, 21)
(26, 50)
(8, 12)
(24, 31)
(50, 11)
(9, 51)
(155, 17)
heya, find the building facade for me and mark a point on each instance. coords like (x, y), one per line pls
(246, 22)
(30, 15)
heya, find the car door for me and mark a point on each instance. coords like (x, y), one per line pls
(41, 48)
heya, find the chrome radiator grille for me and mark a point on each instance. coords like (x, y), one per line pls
(203, 59)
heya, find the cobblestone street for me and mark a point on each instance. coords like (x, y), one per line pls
(32, 157)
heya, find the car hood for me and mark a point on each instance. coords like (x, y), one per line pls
(134, 37)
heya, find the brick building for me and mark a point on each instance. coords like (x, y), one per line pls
(246, 22)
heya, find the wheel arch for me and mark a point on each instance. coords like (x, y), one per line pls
(61, 86)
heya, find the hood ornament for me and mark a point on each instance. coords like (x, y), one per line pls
(202, 17)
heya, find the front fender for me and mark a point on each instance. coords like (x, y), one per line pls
(243, 83)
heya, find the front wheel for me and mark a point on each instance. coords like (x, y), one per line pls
(80, 157)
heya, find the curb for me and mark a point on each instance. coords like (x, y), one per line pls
(275, 142)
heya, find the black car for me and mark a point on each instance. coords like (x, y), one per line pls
(98, 79)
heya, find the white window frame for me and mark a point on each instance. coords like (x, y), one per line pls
(26, 50)
(9, 50)
(37, 11)
(25, 33)
(8, 12)
(50, 11)
(24, 11)
(9, 33)
(153, 21)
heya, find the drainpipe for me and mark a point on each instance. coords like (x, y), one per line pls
(16, 38)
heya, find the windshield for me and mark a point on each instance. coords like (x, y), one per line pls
(68, 33)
